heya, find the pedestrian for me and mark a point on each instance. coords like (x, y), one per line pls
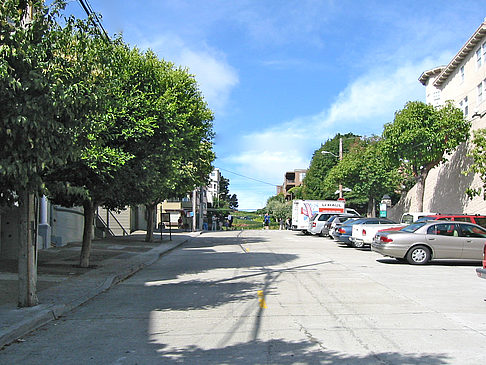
(281, 224)
(230, 221)
(179, 222)
(266, 221)
(288, 224)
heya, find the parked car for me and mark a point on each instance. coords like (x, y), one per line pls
(363, 233)
(421, 242)
(472, 218)
(336, 225)
(481, 271)
(343, 233)
(317, 222)
(333, 221)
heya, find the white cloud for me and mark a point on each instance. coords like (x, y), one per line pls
(363, 107)
(216, 78)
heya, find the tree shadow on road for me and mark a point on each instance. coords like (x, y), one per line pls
(279, 351)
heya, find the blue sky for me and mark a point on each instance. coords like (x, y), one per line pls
(284, 76)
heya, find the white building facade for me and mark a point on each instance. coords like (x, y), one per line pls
(213, 187)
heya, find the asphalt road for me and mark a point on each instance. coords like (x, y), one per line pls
(273, 297)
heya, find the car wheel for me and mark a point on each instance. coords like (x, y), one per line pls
(358, 244)
(418, 255)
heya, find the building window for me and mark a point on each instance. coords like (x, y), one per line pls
(480, 92)
(484, 51)
(464, 107)
(436, 95)
(462, 73)
(479, 55)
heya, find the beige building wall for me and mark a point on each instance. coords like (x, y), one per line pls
(463, 81)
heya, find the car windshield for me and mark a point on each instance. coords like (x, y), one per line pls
(413, 227)
(424, 219)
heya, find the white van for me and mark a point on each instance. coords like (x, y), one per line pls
(410, 217)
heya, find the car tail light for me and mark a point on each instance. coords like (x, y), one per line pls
(364, 232)
(385, 239)
(341, 230)
(313, 224)
(484, 257)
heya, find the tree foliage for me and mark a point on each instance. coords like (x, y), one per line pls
(278, 207)
(478, 166)
(225, 201)
(313, 184)
(367, 172)
(421, 135)
(42, 89)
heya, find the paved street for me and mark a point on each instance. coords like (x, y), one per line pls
(272, 297)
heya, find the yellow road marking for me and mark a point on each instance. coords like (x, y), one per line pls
(261, 299)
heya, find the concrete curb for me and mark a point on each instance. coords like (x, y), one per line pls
(89, 285)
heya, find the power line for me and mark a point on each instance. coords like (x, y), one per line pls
(95, 19)
(247, 177)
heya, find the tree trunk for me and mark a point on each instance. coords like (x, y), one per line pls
(27, 255)
(89, 209)
(149, 237)
(420, 180)
(371, 211)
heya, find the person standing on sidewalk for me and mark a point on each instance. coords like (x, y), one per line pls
(230, 221)
(266, 221)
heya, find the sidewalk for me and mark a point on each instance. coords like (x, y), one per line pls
(61, 286)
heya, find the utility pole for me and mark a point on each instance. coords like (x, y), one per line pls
(340, 159)
(27, 254)
(194, 197)
(201, 210)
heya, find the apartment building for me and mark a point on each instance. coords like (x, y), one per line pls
(213, 186)
(462, 80)
(291, 180)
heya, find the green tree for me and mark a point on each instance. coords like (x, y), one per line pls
(421, 135)
(278, 207)
(233, 201)
(230, 200)
(224, 192)
(478, 166)
(367, 172)
(41, 90)
(178, 155)
(92, 177)
(41, 93)
(296, 192)
(313, 185)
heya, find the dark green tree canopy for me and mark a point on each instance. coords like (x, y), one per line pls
(321, 164)
(44, 90)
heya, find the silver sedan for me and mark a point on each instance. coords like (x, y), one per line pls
(421, 242)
